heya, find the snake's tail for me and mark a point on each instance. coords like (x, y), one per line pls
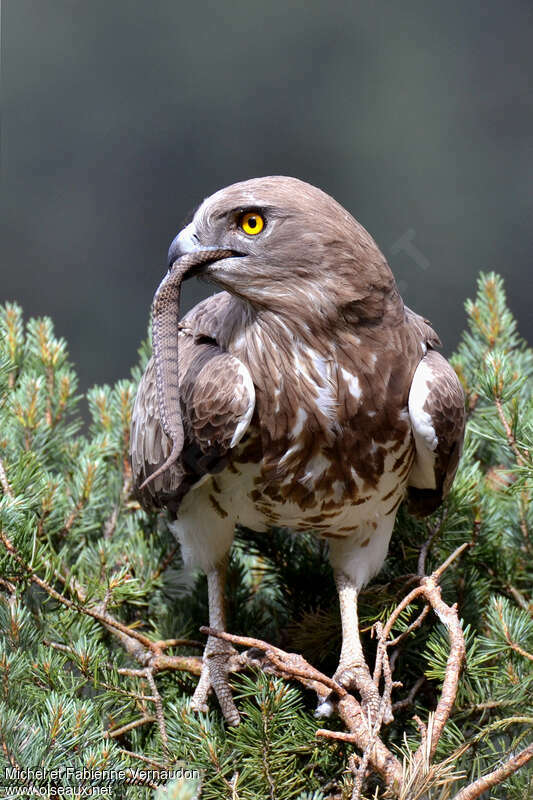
(177, 447)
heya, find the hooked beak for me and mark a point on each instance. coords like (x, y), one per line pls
(187, 243)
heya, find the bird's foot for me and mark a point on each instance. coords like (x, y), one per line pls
(353, 677)
(216, 666)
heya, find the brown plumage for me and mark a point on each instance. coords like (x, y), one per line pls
(311, 397)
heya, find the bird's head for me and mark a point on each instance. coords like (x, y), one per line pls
(296, 250)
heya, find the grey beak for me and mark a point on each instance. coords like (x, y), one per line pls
(185, 242)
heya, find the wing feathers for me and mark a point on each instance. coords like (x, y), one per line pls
(436, 409)
(217, 403)
(424, 329)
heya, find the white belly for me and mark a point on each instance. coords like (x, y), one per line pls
(358, 530)
(331, 515)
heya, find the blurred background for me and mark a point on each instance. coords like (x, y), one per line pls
(119, 117)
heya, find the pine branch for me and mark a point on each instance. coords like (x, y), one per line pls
(140, 647)
(520, 460)
(115, 733)
(364, 733)
(497, 776)
(292, 665)
(513, 645)
(95, 656)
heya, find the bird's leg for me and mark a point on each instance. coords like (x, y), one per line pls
(353, 668)
(352, 671)
(217, 653)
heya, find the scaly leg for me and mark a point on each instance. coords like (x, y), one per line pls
(215, 666)
(352, 670)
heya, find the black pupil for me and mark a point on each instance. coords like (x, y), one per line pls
(252, 222)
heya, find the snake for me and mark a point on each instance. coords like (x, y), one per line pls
(165, 330)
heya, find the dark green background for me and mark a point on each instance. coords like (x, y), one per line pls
(119, 116)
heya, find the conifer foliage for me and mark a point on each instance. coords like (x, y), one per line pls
(99, 622)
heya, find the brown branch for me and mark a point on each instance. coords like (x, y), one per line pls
(384, 714)
(146, 760)
(451, 558)
(166, 561)
(402, 605)
(495, 777)
(363, 732)
(511, 441)
(383, 667)
(158, 708)
(409, 700)
(512, 644)
(342, 736)
(191, 664)
(130, 726)
(292, 665)
(162, 644)
(519, 649)
(76, 606)
(424, 550)
(430, 591)
(360, 731)
(422, 728)
(450, 619)
(140, 647)
(412, 627)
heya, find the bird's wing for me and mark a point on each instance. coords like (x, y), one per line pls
(211, 317)
(437, 412)
(217, 399)
(423, 328)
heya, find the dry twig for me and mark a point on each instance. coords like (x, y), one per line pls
(508, 638)
(114, 733)
(476, 789)
(292, 665)
(362, 731)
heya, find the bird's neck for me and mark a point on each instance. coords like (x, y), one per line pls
(316, 324)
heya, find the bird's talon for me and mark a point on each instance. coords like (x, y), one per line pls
(199, 707)
(214, 677)
(346, 678)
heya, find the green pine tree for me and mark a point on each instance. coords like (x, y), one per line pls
(99, 642)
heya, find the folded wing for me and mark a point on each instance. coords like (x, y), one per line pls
(437, 412)
(217, 402)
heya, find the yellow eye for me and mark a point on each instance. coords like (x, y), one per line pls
(251, 223)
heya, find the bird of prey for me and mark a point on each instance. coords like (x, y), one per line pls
(304, 395)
